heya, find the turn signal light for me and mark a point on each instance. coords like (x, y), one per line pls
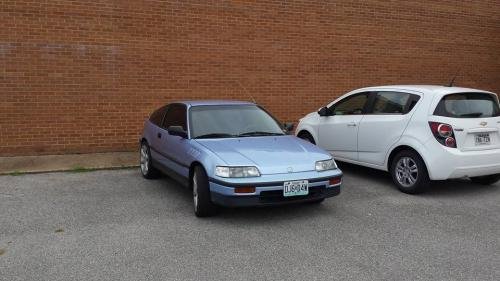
(335, 181)
(246, 189)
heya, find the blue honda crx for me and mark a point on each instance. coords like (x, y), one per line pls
(234, 154)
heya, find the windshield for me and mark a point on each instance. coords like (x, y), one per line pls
(220, 121)
(468, 105)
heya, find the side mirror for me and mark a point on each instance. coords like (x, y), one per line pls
(324, 111)
(288, 127)
(177, 131)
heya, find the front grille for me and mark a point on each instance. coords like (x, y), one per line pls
(277, 195)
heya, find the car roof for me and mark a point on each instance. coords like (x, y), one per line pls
(214, 102)
(426, 89)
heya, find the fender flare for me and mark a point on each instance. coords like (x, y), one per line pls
(412, 143)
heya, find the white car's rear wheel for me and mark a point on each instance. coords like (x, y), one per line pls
(409, 172)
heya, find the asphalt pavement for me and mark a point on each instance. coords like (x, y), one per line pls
(115, 225)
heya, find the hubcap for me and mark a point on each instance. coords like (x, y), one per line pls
(195, 193)
(144, 159)
(406, 171)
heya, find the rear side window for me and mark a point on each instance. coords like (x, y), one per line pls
(157, 116)
(468, 105)
(393, 103)
(176, 116)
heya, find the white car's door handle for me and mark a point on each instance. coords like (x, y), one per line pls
(351, 124)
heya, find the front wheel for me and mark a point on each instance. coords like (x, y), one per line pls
(409, 172)
(307, 137)
(486, 180)
(147, 169)
(203, 206)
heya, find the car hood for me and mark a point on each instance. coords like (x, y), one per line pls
(270, 154)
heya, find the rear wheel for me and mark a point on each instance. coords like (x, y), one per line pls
(147, 169)
(486, 180)
(203, 206)
(409, 172)
(306, 136)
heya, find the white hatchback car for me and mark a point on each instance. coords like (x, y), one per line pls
(417, 133)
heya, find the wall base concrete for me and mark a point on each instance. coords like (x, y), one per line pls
(67, 162)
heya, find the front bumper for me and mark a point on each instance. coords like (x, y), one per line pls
(269, 190)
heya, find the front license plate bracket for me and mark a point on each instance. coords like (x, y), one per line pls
(295, 188)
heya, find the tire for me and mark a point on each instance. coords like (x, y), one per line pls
(306, 136)
(486, 180)
(203, 206)
(409, 172)
(146, 163)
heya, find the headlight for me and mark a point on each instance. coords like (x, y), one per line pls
(237, 172)
(326, 165)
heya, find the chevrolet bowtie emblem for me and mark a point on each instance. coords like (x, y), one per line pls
(483, 123)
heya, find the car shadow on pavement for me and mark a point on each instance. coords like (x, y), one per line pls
(172, 189)
(365, 173)
(455, 187)
(460, 187)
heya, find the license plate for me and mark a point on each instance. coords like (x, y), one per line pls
(482, 139)
(295, 188)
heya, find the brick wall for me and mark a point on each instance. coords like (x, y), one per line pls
(81, 76)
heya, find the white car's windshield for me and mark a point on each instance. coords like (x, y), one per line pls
(220, 121)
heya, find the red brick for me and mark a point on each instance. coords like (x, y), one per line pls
(82, 76)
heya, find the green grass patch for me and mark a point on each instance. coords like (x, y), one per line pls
(79, 169)
(59, 230)
(16, 173)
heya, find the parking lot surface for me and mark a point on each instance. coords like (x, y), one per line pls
(115, 225)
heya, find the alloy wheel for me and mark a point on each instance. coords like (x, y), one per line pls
(195, 193)
(144, 159)
(406, 171)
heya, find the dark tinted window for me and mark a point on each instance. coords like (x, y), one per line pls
(176, 116)
(468, 105)
(352, 105)
(157, 116)
(393, 103)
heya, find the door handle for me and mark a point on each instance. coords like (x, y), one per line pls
(351, 124)
(158, 135)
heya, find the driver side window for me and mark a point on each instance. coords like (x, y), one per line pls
(176, 116)
(352, 105)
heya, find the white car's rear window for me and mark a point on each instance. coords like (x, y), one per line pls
(468, 105)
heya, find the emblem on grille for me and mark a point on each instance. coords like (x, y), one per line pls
(483, 123)
(289, 169)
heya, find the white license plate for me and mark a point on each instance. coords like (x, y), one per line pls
(482, 139)
(295, 188)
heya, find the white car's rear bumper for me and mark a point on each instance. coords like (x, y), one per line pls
(448, 163)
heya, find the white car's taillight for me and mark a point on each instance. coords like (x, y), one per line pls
(443, 134)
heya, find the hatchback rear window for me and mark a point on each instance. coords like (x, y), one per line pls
(468, 105)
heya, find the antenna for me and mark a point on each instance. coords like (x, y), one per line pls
(454, 77)
(246, 91)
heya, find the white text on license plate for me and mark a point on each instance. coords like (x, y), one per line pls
(295, 188)
(482, 139)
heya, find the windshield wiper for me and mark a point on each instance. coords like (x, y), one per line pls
(472, 114)
(215, 135)
(258, 133)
